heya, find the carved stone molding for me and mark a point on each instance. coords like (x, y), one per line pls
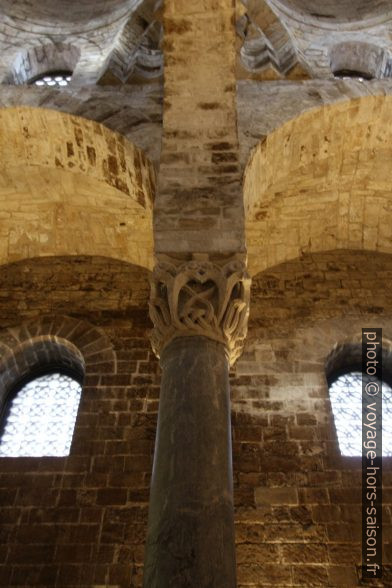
(200, 297)
(266, 42)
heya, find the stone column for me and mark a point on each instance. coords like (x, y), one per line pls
(199, 309)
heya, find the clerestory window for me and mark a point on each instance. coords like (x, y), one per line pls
(52, 79)
(39, 417)
(351, 74)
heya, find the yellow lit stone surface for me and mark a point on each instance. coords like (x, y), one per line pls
(321, 182)
(199, 205)
(69, 186)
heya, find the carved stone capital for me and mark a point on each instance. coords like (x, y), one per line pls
(200, 297)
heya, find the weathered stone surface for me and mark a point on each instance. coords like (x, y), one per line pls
(316, 28)
(338, 9)
(295, 495)
(72, 187)
(80, 285)
(191, 530)
(81, 521)
(96, 39)
(264, 107)
(198, 206)
(135, 113)
(266, 44)
(321, 182)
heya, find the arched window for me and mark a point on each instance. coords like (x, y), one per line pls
(44, 60)
(39, 418)
(40, 389)
(358, 60)
(346, 401)
(351, 74)
(344, 377)
(52, 79)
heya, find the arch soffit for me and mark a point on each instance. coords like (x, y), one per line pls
(70, 186)
(321, 182)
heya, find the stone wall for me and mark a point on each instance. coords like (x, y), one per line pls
(265, 106)
(298, 501)
(71, 186)
(81, 520)
(320, 182)
(135, 113)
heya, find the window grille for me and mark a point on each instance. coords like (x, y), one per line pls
(346, 400)
(40, 419)
(54, 79)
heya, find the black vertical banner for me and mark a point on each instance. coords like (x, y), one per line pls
(371, 453)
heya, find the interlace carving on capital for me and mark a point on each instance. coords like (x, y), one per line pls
(200, 297)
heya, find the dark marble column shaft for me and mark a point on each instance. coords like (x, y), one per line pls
(190, 540)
